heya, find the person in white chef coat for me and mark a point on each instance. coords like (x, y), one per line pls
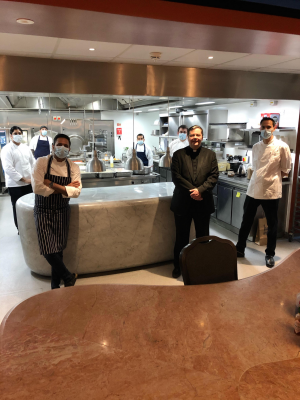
(55, 180)
(17, 162)
(182, 140)
(41, 144)
(271, 159)
(142, 151)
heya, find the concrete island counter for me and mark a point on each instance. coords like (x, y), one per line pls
(227, 341)
(110, 228)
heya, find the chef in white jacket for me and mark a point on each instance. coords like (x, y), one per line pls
(17, 162)
(142, 151)
(271, 159)
(182, 140)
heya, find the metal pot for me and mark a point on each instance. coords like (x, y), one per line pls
(242, 170)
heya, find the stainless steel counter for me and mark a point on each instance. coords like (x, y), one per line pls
(243, 182)
(120, 181)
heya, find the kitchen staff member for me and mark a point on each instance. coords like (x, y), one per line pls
(182, 140)
(194, 173)
(55, 180)
(142, 151)
(271, 162)
(17, 163)
(41, 144)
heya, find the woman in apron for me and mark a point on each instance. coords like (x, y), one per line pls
(52, 210)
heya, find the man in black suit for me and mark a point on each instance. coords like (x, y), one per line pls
(194, 174)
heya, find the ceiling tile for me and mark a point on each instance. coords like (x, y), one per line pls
(233, 67)
(15, 44)
(293, 64)
(258, 60)
(278, 71)
(201, 56)
(122, 60)
(189, 64)
(143, 52)
(81, 48)
(82, 58)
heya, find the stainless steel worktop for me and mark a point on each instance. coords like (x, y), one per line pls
(239, 181)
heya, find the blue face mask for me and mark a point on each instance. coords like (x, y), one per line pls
(44, 133)
(61, 151)
(182, 136)
(266, 134)
(140, 142)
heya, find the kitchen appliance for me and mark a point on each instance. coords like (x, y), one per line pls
(242, 170)
(234, 165)
(121, 173)
(252, 136)
(95, 165)
(106, 174)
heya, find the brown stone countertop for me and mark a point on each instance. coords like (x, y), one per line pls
(228, 341)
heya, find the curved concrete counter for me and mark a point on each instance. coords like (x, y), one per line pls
(110, 228)
(227, 341)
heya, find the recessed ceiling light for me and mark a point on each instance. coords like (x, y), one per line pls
(153, 109)
(138, 111)
(176, 107)
(91, 49)
(206, 102)
(25, 21)
(210, 57)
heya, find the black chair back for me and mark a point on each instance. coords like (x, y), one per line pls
(208, 259)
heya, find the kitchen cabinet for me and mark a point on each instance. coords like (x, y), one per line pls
(162, 179)
(224, 204)
(216, 205)
(238, 200)
(169, 175)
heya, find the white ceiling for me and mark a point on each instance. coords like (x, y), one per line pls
(57, 48)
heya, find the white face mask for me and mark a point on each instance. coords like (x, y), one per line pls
(61, 151)
(266, 134)
(18, 138)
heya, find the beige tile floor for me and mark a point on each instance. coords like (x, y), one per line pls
(17, 283)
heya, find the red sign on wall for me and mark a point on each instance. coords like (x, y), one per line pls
(119, 131)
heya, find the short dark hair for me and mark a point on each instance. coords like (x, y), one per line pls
(43, 127)
(14, 128)
(192, 128)
(182, 127)
(140, 134)
(268, 119)
(62, 135)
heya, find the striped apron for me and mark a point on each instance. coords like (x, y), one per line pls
(52, 216)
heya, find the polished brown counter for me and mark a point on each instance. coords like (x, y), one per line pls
(226, 341)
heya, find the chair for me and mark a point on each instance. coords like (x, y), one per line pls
(208, 259)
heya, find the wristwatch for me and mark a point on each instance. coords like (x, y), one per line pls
(51, 185)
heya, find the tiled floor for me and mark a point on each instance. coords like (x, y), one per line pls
(17, 283)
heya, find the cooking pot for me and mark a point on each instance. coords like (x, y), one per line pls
(234, 165)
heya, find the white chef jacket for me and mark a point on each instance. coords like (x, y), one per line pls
(268, 162)
(34, 141)
(58, 169)
(148, 151)
(177, 144)
(17, 162)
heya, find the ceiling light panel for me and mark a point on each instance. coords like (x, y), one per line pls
(81, 48)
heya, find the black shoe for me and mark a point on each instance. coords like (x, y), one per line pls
(270, 261)
(239, 254)
(176, 272)
(72, 281)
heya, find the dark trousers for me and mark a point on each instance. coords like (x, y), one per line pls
(270, 208)
(15, 194)
(183, 226)
(58, 269)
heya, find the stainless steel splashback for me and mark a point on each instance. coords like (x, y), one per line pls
(80, 124)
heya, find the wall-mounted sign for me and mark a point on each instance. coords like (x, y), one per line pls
(119, 131)
(275, 116)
